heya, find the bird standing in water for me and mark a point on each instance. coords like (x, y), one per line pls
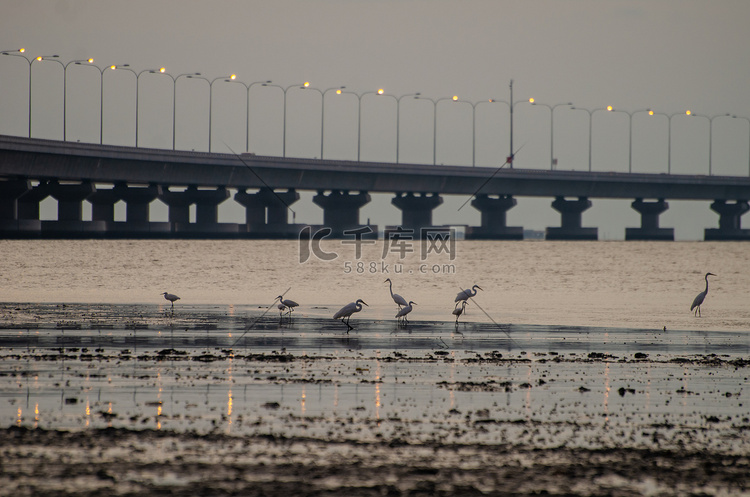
(289, 304)
(459, 310)
(401, 315)
(700, 297)
(345, 313)
(398, 299)
(466, 294)
(171, 297)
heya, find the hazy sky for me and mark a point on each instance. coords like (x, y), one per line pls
(668, 55)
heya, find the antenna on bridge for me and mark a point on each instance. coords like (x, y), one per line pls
(294, 214)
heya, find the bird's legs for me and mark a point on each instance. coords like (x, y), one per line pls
(348, 326)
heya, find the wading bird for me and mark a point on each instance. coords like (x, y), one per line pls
(345, 313)
(700, 297)
(281, 308)
(290, 304)
(401, 315)
(459, 310)
(398, 299)
(171, 297)
(465, 294)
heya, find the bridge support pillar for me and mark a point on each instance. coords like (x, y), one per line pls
(494, 217)
(206, 209)
(729, 221)
(341, 210)
(416, 210)
(103, 205)
(267, 212)
(137, 211)
(28, 204)
(10, 192)
(70, 197)
(649, 229)
(570, 226)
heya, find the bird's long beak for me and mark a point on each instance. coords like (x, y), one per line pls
(480, 287)
(365, 303)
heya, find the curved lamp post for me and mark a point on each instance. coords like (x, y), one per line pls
(630, 133)
(710, 133)
(54, 58)
(161, 70)
(359, 116)
(435, 103)
(17, 53)
(591, 118)
(174, 101)
(247, 111)
(748, 143)
(338, 90)
(551, 108)
(474, 124)
(285, 90)
(398, 119)
(228, 79)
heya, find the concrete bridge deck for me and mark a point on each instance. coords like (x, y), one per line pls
(417, 187)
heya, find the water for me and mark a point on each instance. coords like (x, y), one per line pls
(641, 285)
(584, 346)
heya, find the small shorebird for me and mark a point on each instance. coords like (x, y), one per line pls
(401, 315)
(459, 310)
(700, 297)
(398, 299)
(466, 294)
(171, 297)
(289, 304)
(347, 311)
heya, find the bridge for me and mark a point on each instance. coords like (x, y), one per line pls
(33, 169)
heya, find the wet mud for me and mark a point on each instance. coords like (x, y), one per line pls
(136, 400)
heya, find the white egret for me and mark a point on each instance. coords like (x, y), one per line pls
(398, 299)
(700, 297)
(466, 294)
(171, 297)
(281, 308)
(404, 311)
(459, 310)
(345, 313)
(290, 304)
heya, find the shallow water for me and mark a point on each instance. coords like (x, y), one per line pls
(642, 285)
(569, 347)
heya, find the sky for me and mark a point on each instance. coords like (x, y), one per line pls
(666, 55)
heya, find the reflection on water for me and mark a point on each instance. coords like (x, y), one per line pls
(571, 352)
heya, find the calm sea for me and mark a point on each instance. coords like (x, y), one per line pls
(644, 285)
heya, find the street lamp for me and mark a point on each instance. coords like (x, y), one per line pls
(161, 70)
(434, 122)
(227, 79)
(551, 128)
(338, 90)
(174, 101)
(630, 135)
(748, 143)
(247, 112)
(474, 124)
(17, 53)
(359, 116)
(283, 89)
(398, 119)
(591, 118)
(710, 133)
